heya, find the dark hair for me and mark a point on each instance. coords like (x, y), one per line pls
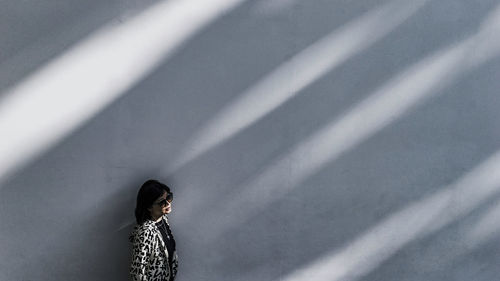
(147, 195)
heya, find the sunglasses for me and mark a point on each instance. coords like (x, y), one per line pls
(169, 199)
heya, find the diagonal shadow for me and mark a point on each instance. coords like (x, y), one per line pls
(292, 77)
(300, 110)
(56, 179)
(440, 253)
(365, 119)
(451, 249)
(276, 121)
(34, 34)
(39, 140)
(254, 205)
(418, 219)
(173, 113)
(96, 72)
(372, 185)
(113, 165)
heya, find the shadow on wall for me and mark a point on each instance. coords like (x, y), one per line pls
(462, 245)
(379, 110)
(286, 114)
(394, 171)
(48, 28)
(221, 218)
(83, 190)
(96, 72)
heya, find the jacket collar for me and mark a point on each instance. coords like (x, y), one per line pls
(151, 223)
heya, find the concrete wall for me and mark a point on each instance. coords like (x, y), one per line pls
(303, 140)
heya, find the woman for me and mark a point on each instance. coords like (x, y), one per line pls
(153, 247)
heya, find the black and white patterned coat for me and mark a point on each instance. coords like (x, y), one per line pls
(150, 255)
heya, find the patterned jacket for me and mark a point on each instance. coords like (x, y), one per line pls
(150, 255)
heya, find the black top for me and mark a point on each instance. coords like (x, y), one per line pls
(169, 241)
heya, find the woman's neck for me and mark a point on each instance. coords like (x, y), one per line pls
(156, 219)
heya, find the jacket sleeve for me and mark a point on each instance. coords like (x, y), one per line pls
(175, 264)
(141, 250)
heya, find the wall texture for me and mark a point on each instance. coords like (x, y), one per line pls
(304, 140)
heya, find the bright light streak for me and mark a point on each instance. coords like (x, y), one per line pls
(487, 41)
(293, 76)
(50, 104)
(415, 221)
(486, 228)
(381, 108)
(425, 216)
(475, 235)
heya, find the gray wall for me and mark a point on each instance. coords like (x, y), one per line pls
(382, 167)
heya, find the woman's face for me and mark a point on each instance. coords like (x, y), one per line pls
(161, 206)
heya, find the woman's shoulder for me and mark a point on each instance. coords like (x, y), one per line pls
(147, 226)
(143, 230)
